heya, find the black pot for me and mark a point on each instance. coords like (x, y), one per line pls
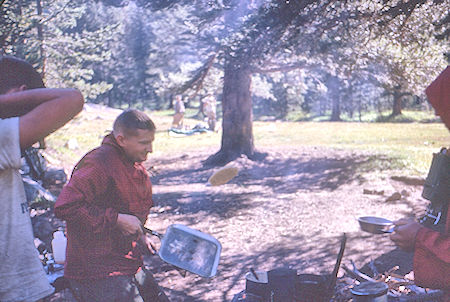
(311, 288)
(257, 286)
(282, 284)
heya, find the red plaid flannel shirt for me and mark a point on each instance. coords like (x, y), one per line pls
(432, 258)
(103, 184)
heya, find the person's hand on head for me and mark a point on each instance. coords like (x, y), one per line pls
(41, 110)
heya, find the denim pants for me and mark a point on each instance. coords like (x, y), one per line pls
(141, 287)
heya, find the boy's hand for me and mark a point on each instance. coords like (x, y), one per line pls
(129, 225)
(404, 235)
(147, 243)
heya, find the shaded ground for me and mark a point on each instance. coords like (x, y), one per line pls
(288, 210)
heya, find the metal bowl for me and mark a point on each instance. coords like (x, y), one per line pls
(370, 292)
(375, 225)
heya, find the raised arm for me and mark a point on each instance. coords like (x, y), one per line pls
(42, 111)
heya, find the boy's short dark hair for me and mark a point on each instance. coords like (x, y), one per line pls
(15, 72)
(133, 119)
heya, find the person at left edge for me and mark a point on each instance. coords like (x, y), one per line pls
(28, 113)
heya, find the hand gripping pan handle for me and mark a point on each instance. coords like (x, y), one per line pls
(151, 232)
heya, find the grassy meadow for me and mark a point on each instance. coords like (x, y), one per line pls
(409, 145)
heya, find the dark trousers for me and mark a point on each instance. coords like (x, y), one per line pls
(141, 287)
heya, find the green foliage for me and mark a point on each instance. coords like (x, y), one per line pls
(63, 54)
(141, 53)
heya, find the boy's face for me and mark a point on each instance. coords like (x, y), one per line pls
(137, 146)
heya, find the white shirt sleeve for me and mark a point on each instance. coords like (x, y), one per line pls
(9, 144)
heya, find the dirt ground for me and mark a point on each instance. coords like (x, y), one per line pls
(287, 210)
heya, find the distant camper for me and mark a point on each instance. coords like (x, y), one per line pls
(209, 109)
(178, 116)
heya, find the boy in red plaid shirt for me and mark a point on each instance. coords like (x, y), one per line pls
(105, 204)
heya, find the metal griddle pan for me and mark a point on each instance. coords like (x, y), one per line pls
(189, 249)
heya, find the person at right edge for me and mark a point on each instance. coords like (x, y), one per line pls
(430, 237)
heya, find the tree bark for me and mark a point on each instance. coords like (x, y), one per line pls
(397, 105)
(349, 97)
(40, 32)
(334, 88)
(237, 136)
(336, 110)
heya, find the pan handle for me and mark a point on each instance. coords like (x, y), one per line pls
(390, 230)
(151, 232)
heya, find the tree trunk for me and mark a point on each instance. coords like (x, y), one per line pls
(110, 98)
(40, 32)
(334, 93)
(359, 108)
(237, 136)
(397, 106)
(350, 103)
(336, 110)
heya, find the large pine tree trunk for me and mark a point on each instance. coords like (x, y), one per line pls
(334, 92)
(397, 106)
(40, 32)
(336, 110)
(237, 136)
(397, 103)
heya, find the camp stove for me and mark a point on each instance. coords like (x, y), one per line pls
(285, 285)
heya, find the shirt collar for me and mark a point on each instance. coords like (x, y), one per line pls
(110, 140)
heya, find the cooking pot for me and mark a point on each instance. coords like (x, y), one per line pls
(189, 249)
(375, 225)
(257, 283)
(311, 288)
(282, 284)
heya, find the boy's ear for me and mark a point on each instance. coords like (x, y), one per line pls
(120, 139)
